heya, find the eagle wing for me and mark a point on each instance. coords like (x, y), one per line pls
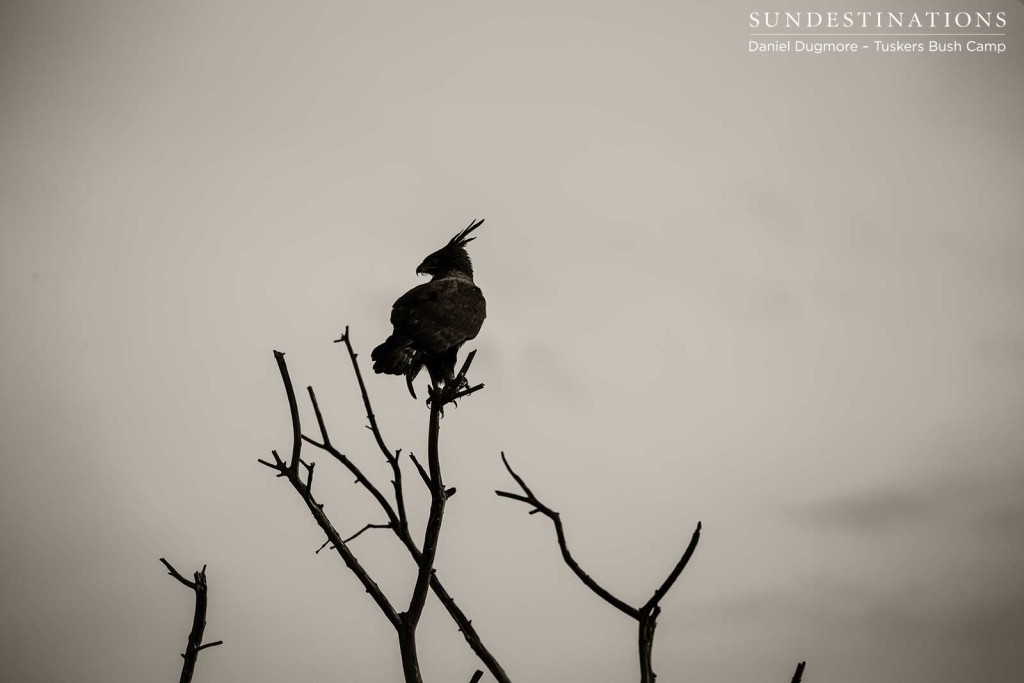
(440, 314)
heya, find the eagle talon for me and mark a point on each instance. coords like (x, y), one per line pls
(435, 394)
(446, 393)
(440, 406)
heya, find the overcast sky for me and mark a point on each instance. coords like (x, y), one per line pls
(779, 294)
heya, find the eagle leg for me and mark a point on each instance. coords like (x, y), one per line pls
(437, 393)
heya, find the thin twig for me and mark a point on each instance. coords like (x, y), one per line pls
(366, 528)
(319, 416)
(360, 477)
(465, 392)
(338, 544)
(676, 571)
(293, 407)
(476, 676)
(378, 437)
(799, 673)
(419, 468)
(174, 572)
(309, 476)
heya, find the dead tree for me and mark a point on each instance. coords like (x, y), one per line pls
(299, 473)
(646, 615)
(195, 637)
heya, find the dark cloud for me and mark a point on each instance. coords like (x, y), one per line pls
(1004, 520)
(870, 511)
(916, 633)
(1001, 350)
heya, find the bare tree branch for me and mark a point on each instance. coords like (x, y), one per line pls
(174, 572)
(466, 392)
(293, 407)
(465, 625)
(439, 398)
(319, 417)
(434, 519)
(419, 468)
(301, 487)
(404, 623)
(647, 614)
(337, 543)
(680, 566)
(361, 478)
(365, 528)
(371, 418)
(195, 637)
(589, 582)
(213, 644)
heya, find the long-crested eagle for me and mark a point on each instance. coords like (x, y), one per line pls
(432, 321)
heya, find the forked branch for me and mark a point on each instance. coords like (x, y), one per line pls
(647, 614)
(401, 530)
(195, 637)
(405, 623)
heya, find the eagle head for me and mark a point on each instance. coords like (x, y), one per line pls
(451, 258)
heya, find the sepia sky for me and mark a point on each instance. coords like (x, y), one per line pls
(780, 294)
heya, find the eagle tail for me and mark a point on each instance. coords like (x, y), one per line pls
(396, 356)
